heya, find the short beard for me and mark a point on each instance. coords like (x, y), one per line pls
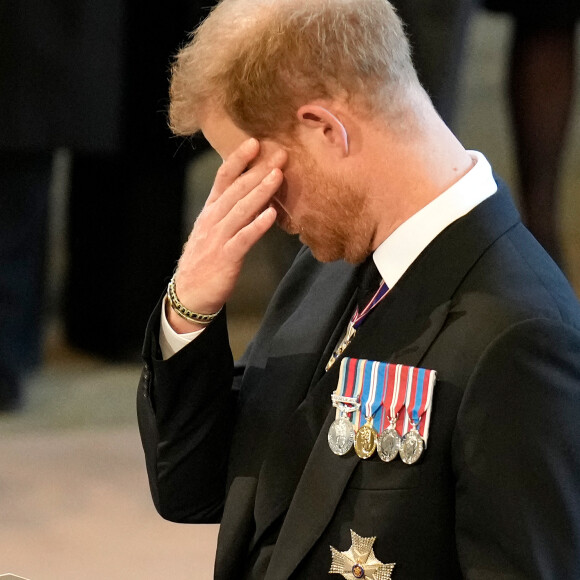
(337, 224)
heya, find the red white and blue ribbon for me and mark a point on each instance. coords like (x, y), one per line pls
(399, 391)
(394, 396)
(350, 380)
(418, 401)
(359, 317)
(371, 396)
(356, 320)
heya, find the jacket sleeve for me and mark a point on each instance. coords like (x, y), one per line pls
(185, 408)
(517, 457)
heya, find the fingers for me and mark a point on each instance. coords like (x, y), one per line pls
(245, 239)
(236, 215)
(251, 204)
(223, 200)
(233, 167)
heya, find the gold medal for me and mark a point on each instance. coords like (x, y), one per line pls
(365, 441)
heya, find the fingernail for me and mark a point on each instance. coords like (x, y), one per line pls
(272, 176)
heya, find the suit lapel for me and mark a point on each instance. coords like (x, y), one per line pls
(400, 330)
(281, 469)
(284, 358)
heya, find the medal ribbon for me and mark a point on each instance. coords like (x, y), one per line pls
(356, 320)
(362, 380)
(419, 397)
(392, 386)
(371, 398)
(359, 317)
(395, 381)
(350, 379)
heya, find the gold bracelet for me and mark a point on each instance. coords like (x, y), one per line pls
(185, 312)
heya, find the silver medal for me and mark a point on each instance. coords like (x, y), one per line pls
(341, 436)
(412, 446)
(388, 444)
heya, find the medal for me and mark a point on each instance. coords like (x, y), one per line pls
(341, 433)
(365, 441)
(395, 392)
(412, 446)
(389, 443)
(402, 393)
(341, 436)
(418, 405)
(359, 561)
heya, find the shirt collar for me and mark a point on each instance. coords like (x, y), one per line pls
(394, 256)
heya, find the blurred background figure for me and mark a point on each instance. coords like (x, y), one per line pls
(540, 95)
(90, 76)
(52, 57)
(437, 31)
(24, 182)
(126, 200)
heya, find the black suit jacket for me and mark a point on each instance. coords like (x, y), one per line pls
(496, 492)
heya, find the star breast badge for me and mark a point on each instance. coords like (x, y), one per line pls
(359, 561)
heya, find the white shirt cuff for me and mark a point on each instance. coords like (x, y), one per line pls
(170, 341)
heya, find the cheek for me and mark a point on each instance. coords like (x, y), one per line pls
(291, 192)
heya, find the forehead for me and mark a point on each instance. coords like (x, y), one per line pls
(221, 132)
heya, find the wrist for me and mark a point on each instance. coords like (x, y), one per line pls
(189, 319)
(177, 323)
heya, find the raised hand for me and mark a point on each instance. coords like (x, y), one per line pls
(235, 216)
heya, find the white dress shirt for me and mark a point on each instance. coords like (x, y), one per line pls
(394, 256)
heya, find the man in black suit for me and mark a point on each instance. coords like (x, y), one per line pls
(323, 127)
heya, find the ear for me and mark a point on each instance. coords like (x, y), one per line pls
(324, 127)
